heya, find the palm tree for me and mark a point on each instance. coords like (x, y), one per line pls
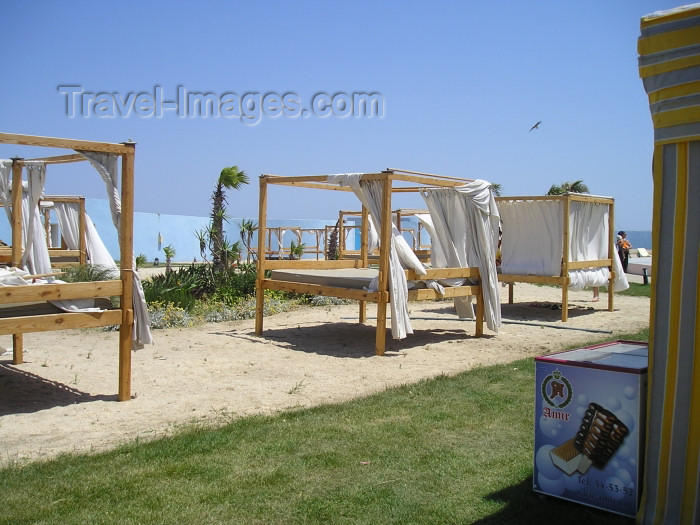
(140, 260)
(496, 189)
(230, 178)
(296, 250)
(247, 229)
(169, 254)
(576, 186)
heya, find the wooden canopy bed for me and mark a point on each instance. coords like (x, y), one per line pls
(317, 248)
(557, 230)
(17, 321)
(61, 256)
(346, 278)
(421, 250)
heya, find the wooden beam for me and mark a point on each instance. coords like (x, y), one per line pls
(540, 279)
(58, 292)
(597, 263)
(443, 273)
(260, 278)
(126, 242)
(384, 264)
(611, 253)
(17, 229)
(565, 263)
(17, 349)
(53, 142)
(58, 159)
(364, 257)
(328, 291)
(62, 321)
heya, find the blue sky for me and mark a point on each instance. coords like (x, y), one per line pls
(461, 83)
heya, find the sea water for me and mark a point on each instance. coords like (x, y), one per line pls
(639, 239)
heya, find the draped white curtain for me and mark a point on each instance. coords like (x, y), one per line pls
(279, 235)
(465, 232)
(401, 256)
(533, 241)
(35, 257)
(68, 215)
(6, 187)
(437, 257)
(106, 166)
(589, 240)
(533, 237)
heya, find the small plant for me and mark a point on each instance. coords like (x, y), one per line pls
(140, 260)
(296, 250)
(167, 315)
(296, 388)
(169, 254)
(89, 273)
(247, 229)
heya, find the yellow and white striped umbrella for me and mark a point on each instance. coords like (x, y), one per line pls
(669, 64)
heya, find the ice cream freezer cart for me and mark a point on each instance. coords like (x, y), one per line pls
(590, 406)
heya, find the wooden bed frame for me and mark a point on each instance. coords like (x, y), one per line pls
(421, 250)
(122, 316)
(318, 249)
(562, 279)
(61, 257)
(393, 181)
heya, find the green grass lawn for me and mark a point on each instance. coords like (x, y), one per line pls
(635, 290)
(448, 450)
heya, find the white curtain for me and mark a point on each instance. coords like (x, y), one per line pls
(437, 257)
(106, 166)
(533, 237)
(68, 215)
(401, 256)
(35, 257)
(533, 241)
(588, 241)
(279, 235)
(465, 222)
(6, 187)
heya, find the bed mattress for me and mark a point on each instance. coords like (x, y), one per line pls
(356, 278)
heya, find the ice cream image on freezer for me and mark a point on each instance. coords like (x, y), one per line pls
(600, 435)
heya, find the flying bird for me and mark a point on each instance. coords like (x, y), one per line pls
(536, 126)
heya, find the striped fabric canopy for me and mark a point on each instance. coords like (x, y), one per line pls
(669, 64)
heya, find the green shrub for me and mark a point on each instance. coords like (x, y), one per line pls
(167, 315)
(196, 282)
(89, 273)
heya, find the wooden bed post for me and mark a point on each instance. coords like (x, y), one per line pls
(341, 235)
(565, 263)
(126, 242)
(17, 243)
(364, 256)
(611, 253)
(384, 250)
(82, 232)
(17, 237)
(262, 228)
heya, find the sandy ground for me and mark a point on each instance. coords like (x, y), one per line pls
(63, 398)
